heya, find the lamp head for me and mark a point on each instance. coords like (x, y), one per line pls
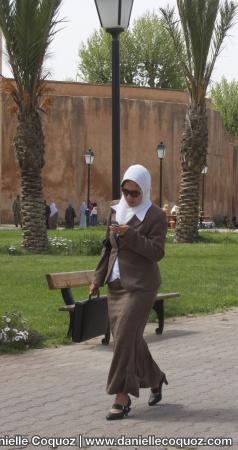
(161, 149)
(89, 157)
(114, 14)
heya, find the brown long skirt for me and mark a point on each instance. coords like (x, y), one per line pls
(132, 365)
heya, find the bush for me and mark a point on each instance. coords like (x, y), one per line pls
(62, 242)
(90, 247)
(60, 245)
(15, 334)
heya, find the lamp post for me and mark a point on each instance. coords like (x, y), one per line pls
(204, 171)
(89, 158)
(161, 149)
(114, 16)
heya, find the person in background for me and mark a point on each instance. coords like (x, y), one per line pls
(82, 215)
(53, 219)
(69, 216)
(165, 209)
(174, 210)
(234, 222)
(173, 220)
(47, 214)
(225, 222)
(134, 244)
(94, 214)
(16, 208)
(201, 217)
(90, 205)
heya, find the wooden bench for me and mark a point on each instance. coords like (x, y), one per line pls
(65, 281)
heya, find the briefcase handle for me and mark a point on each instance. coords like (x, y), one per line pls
(91, 295)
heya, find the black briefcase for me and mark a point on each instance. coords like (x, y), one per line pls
(90, 319)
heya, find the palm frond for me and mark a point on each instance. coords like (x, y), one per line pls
(202, 34)
(226, 20)
(181, 8)
(28, 27)
(197, 19)
(9, 88)
(46, 104)
(172, 26)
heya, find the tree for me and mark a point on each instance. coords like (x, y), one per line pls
(95, 58)
(224, 97)
(147, 57)
(28, 27)
(156, 60)
(202, 28)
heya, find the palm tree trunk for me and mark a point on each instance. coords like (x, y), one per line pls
(188, 215)
(193, 159)
(29, 143)
(33, 211)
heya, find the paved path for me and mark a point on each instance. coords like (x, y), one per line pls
(61, 391)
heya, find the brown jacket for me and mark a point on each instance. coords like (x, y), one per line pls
(138, 252)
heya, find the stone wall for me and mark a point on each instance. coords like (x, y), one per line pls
(80, 117)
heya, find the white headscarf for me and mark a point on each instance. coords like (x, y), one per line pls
(53, 209)
(141, 176)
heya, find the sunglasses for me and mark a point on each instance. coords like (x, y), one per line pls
(133, 194)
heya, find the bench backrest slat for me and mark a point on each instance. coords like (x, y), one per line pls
(165, 295)
(69, 279)
(84, 278)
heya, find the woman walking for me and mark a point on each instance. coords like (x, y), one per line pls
(134, 243)
(53, 219)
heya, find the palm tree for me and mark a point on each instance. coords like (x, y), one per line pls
(28, 27)
(197, 38)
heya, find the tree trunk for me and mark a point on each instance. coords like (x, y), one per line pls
(193, 159)
(29, 144)
(33, 212)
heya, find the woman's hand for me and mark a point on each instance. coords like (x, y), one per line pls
(119, 230)
(93, 289)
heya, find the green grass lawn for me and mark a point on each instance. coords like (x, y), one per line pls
(204, 273)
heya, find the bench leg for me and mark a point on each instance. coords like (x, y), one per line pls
(68, 299)
(106, 339)
(159, 309)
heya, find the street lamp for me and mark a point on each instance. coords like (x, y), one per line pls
(114, 16)
(161, 149)
(89, 158)
(204, 172)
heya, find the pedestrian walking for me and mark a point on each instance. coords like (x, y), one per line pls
(89, 210)
(94, 214)
(234, 222)
(53, 219)
(16, 208)
(174, 210)
(69, 216)
(135, 240)
(47, 214)
(82, 215)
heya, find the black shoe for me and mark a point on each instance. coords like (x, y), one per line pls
(124, 410)
(156, 394)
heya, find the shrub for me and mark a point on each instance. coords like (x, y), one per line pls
(60, 245)
(15, 334)
(90, 247)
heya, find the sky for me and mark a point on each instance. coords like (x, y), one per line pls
(82, 20)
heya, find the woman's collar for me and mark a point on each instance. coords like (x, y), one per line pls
(139, 214)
